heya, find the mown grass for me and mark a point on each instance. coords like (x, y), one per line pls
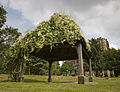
(36, 83)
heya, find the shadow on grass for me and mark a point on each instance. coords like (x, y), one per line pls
(37, 81)
(26, 81)
(6, 81)
(62, 82)
(33, 81)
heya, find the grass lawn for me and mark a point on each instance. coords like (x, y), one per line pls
(36, 83)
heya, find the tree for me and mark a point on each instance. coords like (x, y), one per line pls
(67, 67)
(104, 60)
(98, 63)
(34, 65)
(96, 54)
(8, 36)
(3, 13)
(112, 60)
(56, 68)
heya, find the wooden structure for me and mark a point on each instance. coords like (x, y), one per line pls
(59, 28)
(66, 51)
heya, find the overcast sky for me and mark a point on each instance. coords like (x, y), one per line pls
(97, 18)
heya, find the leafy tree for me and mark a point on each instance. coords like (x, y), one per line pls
(117, 69)
(8, 36)
(67, 67)
(3, 13)
(104, 60)
(38, 66)
(97, 59)
(112, 60)
(34, 65)
(85, 65)
(56, 68)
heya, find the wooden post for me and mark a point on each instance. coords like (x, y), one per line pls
(49, 77)
(21, 78)
(28, 68)
(80, 65)
(16, 75)
(90, 71)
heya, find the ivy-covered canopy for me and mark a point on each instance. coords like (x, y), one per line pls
(59, 30)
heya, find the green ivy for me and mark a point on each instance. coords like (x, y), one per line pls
(59, 28)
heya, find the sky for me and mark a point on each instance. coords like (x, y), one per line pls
(97, 18)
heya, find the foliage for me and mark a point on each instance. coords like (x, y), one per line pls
(112, 60)
(86, 65)
(2, 16)
(67, 67)
(58, 29)
(97, 59)
(104, 60)
(8, 36)
(55, 68)
(34, 65)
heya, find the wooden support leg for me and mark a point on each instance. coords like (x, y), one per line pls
(90, 71)
(80, 65)
(21, 78)
(49, 77)
(16, 75)
(28, 68)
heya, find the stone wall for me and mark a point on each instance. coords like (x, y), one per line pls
(104, 44)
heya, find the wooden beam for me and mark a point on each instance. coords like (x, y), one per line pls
(49, 76)
(90, 71)
(80, 64)
(21, 78)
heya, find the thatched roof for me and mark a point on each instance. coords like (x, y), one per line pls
(52, 34)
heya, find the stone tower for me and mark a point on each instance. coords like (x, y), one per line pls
(104, 44)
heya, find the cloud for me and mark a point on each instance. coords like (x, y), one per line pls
(113, 46)
(104, 21)
(95, 17)
(15, 20)
(4, 2)
(38, 10)
(34, 10)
